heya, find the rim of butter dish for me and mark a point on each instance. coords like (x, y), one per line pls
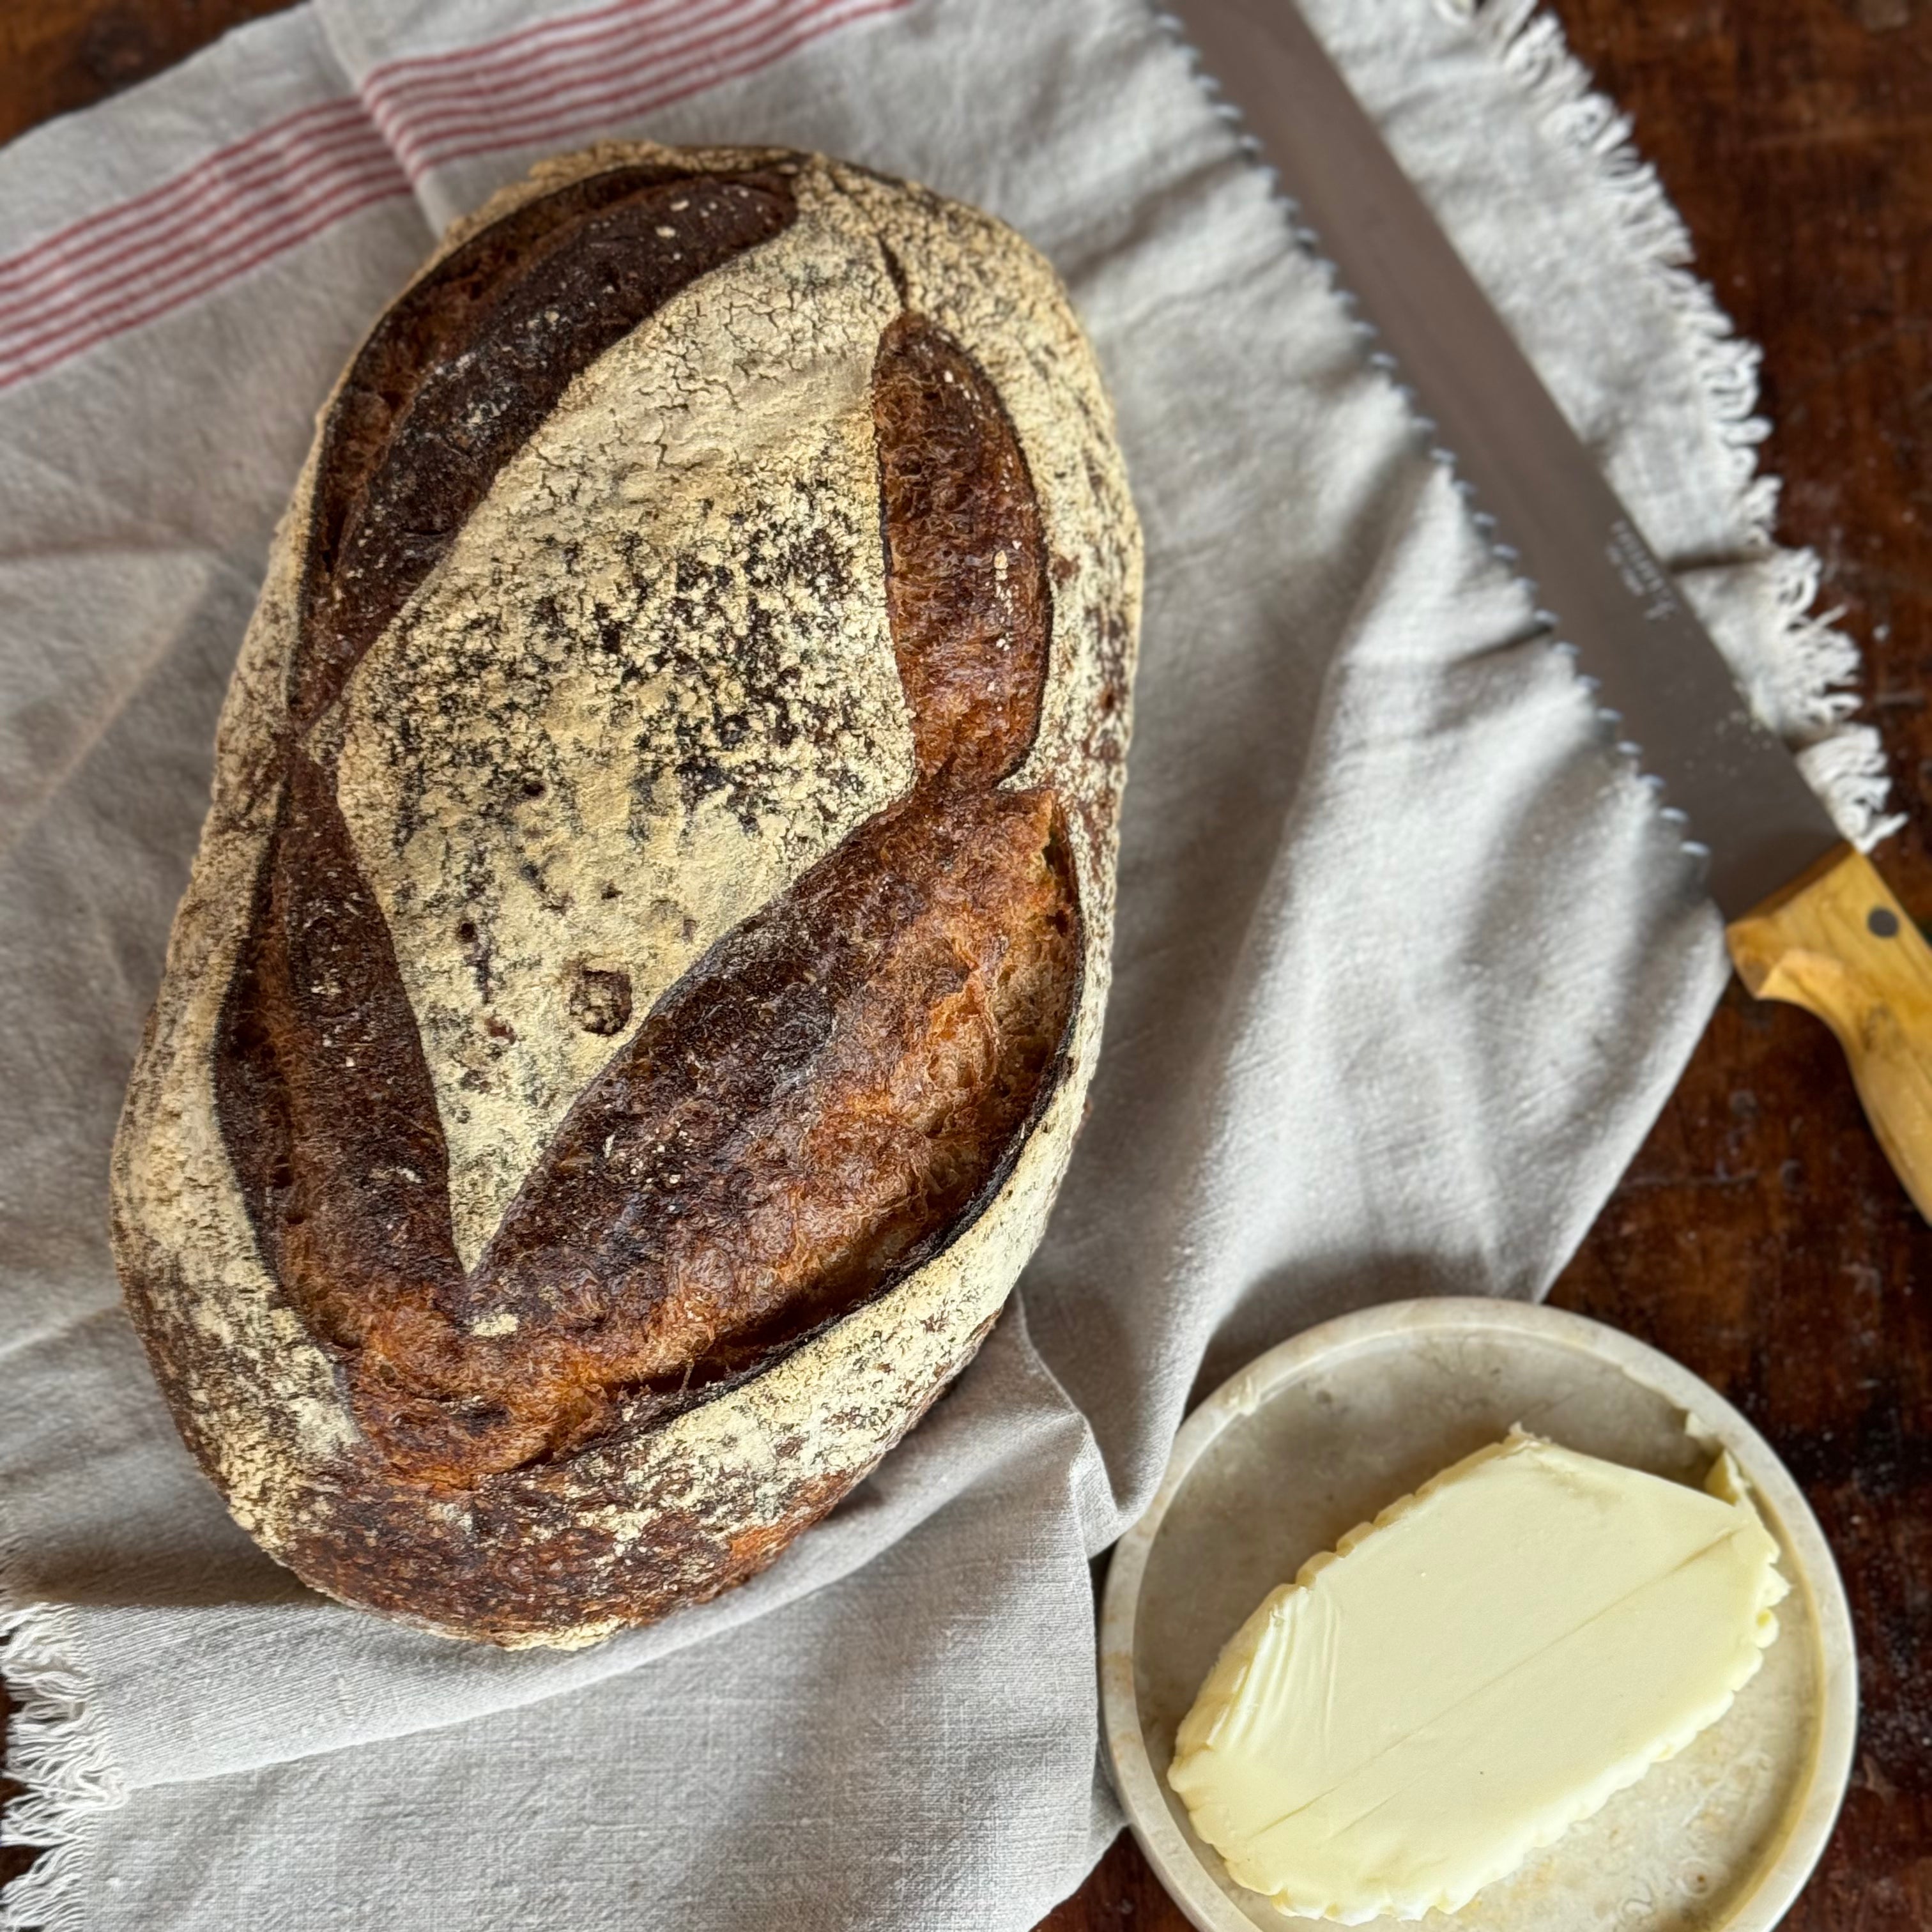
(1436, 1338)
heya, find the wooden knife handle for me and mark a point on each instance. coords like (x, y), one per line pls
(1836, 943)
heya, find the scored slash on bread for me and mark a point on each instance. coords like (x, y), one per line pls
(638, 985)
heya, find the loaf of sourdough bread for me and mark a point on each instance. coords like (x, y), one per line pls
(635, 994)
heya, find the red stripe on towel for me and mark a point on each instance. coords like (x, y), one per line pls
(258, 197)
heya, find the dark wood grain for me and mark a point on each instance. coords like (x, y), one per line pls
(1758, 1236)
(58, 54)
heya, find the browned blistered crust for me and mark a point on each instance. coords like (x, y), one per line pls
(641, 973)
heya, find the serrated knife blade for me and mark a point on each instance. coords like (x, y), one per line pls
(1807, 918)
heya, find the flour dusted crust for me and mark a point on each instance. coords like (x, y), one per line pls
(646, 690)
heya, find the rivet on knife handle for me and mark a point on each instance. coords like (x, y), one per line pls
(1836, 943)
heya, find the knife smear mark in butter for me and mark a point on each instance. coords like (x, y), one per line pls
(1458, 1682)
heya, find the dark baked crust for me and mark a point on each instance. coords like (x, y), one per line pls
(966, 587)
(456, 376)
(824, 1103)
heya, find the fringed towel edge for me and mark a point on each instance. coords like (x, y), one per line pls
(56, 1753)
(1808, 697)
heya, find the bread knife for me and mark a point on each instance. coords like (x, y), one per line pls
(1807, 918)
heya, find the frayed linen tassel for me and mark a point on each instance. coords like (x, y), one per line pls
(1805, 697)
(54, 1750)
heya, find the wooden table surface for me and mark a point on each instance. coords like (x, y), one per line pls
(1758, 1236)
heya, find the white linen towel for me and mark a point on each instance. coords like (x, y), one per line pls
(1406, 962)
